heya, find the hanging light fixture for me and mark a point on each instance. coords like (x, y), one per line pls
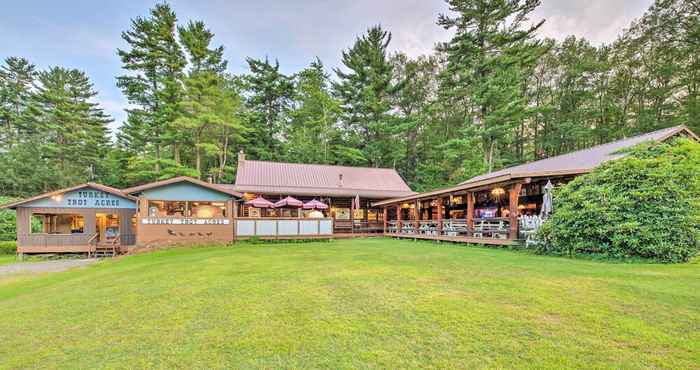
(498, 193)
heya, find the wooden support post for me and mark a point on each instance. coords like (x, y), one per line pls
(386, 218)
(513, 209)
(470, 212)
(416, 216)
(398, 218)
(439, 215)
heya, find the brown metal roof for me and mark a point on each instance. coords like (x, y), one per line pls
(578, 162)
(262, 177)
(105, 188)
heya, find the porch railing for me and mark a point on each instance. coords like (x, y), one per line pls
(495, 228)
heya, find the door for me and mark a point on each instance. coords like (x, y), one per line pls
(107, 226)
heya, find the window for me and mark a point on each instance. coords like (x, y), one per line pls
(57, 224)
(374, 215)
(359, 214)
(159, 208)
(181, 209)
(207, 209)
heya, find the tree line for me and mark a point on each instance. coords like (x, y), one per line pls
(495, 95)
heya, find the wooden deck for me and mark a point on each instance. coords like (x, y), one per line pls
(455, 239)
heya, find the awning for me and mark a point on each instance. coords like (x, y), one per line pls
(314, 204)
(260, 202)
(289, 202)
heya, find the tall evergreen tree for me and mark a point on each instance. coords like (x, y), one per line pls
(73, 132)
(17, 76)
(365, 91)
(155, 64)
(486, 59)
(269, 98)
(314, 135)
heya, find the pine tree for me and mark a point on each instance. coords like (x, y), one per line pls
(365, 92)
(313, 135)
(16, 78)
(209, 105)
(486, 59)
(269, 98)
(155, 64)
(71, 130)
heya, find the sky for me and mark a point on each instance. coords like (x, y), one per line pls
(85, 34)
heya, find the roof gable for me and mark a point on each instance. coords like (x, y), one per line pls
(183, 188)
(88, 195)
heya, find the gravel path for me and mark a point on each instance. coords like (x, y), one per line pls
(48, 266)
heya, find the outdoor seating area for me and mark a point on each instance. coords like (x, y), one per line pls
(498, 214)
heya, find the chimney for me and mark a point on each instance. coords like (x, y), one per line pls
(340, 180)
(210, 179)
(241, 156)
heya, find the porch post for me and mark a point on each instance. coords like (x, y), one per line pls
(439, 215)
(470, 212)
(416, 216)
(513, 209)
(398, 218)
(385, 211)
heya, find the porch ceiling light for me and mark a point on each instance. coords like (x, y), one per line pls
(57, 197)
(498, 193)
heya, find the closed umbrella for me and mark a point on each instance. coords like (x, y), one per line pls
(260, 202)
(314, 204)
(547, 201)
(289, 202)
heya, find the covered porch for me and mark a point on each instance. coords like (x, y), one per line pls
(499, 213)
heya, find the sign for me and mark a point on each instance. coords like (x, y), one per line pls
(185, 221)
(84, 198)
(342, 213)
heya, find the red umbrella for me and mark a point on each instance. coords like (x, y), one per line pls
(314, 204)
(260, 202)
(289, 202)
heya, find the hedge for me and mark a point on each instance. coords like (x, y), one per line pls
(644, 205)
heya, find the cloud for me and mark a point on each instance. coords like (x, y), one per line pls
(599, 21)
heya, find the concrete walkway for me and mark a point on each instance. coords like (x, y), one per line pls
(48, 266)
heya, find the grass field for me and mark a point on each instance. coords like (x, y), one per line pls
(352, 304)
(5, 259)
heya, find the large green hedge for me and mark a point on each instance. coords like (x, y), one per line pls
(644, 205)
(7, 221)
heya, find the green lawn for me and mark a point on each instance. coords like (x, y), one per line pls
(352, 304)
(6, 259)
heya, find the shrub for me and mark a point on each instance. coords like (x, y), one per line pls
(7, 221)
(644, 205)
(8, 247)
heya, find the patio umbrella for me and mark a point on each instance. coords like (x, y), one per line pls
(260, 202)
(289, 202)
(547, 201)
(314, 204)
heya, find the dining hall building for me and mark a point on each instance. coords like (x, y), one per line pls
(276, 200)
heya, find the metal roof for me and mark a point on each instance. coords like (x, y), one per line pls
(574, 163)
(263, 177)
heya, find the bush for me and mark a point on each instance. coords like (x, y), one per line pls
(644, 205)
(8, 247)
(8, 229)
